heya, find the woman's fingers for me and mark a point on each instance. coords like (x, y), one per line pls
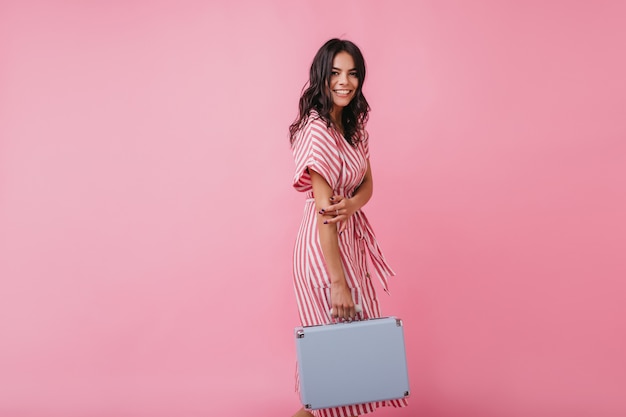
(334, 216)
(337, 313)
(336, 205)
(331, 211)
(333, 220)
(343, 313)
(338, 212)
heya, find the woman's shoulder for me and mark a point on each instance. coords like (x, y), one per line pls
(314, 119)
(315, 125)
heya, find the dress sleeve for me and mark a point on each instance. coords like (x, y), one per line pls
(314, 148)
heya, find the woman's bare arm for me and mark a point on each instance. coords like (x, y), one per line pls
(341, 298)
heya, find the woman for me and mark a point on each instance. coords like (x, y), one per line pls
(331, 152)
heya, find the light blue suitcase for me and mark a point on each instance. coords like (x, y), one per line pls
(352, 363)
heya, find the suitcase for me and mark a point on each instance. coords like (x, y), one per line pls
(352, 363)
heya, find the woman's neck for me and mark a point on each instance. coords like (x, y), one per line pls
(335, 118)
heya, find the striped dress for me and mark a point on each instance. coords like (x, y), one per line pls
(343, 166)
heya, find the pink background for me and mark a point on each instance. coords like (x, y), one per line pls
(147, 217)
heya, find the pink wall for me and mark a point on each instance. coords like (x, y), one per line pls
(147, 218)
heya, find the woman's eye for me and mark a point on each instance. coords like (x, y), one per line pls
(353, 74)
(334, 73)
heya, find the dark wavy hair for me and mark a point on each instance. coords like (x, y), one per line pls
(316, 93)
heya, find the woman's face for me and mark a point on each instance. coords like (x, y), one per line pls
(343, 80)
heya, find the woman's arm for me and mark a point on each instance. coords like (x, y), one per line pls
(342, 208)
(340, 296)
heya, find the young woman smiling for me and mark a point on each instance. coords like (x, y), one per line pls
(331, 151)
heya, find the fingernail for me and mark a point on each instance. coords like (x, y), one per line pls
(325, 221)
(332, 198)
(321, 212)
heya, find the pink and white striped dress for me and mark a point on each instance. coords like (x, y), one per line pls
(343, 166)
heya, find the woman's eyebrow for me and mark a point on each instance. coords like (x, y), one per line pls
(339, 69)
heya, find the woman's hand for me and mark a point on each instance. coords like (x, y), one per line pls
(341, 301)
(339, 211)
